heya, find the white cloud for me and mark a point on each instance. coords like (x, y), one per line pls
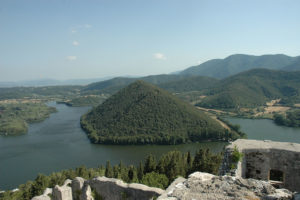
(73, 31)
(159, 56)
(75, 43)
(71, 58)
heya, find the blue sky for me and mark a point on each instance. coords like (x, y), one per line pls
(69, 39)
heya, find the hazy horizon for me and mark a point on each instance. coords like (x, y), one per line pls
(65, 40)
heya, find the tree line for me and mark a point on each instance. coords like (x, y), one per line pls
(152, 172)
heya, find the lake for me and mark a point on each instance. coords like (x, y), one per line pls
(265, 129)
(59, 143)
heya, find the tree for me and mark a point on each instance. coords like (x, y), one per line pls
(154, 179)
(41, 183)
(189, 163)
(108, 170)
(132, 174)
(150, 164)
(140, 171)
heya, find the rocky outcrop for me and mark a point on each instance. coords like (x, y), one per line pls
(86, 192)
(206, 186)
(109, 188)
(77, 185)
(63, 192)
(45, 195)
(202, 186)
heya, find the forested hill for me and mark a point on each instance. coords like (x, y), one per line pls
(253, 88)
(194, 83)
(145, 114)
(222, 68)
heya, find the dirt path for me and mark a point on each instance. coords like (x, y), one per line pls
(221, 123)
(218, 111)
(215, 117)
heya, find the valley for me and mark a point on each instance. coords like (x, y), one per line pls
(126, 118)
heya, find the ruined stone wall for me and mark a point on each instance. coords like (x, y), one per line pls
(258, 164)
(260, 157)
(109, 188)
(100, 188)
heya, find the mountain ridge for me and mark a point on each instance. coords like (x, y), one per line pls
(233, 64)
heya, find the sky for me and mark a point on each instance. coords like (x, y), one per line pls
(81, 39)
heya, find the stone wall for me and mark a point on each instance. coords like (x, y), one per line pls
(199, 185)
(109, 188)
(260, 157)
(100, 187)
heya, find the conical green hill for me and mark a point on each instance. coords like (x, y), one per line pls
(145, 114)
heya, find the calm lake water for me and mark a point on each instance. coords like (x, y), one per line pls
(59, 143)
(265, 129)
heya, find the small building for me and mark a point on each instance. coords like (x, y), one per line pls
(277, 162)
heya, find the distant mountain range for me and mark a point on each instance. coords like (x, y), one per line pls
(216, 68)
(275, 76)
(222, 68)
(196, 77)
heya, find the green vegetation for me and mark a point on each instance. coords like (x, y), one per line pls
(155, 174)
(89, 100)
(291, 119)
(222, 68)
(145, 114)
(195, 83)
(252, 89)
(15, 116)
(236, 156)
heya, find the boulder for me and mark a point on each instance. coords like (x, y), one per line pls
(64, 192)
(41, 197)
(114, 189)
(207, 187)
(45, 195)
(86, 192)
(77, 185)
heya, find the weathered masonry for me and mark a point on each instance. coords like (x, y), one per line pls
(277, 162)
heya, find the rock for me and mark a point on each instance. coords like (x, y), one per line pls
(86, 192)
(67, 182)
(209, 187)
(281, 194)
(177, 183)
(77, 185)
(63, 193)
(47, 191)
(41, 197)
(114, 189)
(45, 195)
(201, 176)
